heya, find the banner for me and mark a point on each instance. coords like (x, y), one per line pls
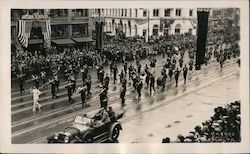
(201, 37)
(99, 35)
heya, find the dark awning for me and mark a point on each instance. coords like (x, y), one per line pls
(35, 41)
(83, 39)
(63, 41)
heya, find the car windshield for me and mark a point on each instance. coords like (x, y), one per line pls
(81, 120)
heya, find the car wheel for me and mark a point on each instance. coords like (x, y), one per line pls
(115, 133)
(87, 138)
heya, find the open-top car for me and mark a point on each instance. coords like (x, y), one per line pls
(90, 129)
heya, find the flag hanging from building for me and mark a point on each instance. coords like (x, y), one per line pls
(99, 35)
(24, 30)
(201, 36)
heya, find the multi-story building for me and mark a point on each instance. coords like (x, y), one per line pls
(65, 27)
(144, 22)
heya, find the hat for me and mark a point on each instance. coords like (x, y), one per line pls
(187, 140)
(217, 129)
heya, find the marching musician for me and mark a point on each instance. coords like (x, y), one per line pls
(88, 84)
(43, 76)
(82, 91)
(69, 87)
(56, 78)
(21, 82)
(53, 88)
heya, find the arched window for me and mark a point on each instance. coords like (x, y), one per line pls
(155, 30)
(177, 29)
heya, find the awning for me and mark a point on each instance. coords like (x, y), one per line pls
(83, 39)
(35, 41)
(63, 41)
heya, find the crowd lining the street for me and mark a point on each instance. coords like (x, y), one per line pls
(223, 126)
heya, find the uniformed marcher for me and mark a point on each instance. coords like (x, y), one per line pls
(122, 94)
(152, 84)
(57, 82)
(106, 81)
(176, 76)
(185, 70)
(53, 88)
(121, 76)
(43, 76)
(69, 87)
(88, 84)
(103, 97)
(139, 86)
(125, 66)
(83, 95)
(21, 82)
(115, 70)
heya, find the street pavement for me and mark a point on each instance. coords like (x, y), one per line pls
(28, 127)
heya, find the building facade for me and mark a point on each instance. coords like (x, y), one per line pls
(65, 27)
(144, 22)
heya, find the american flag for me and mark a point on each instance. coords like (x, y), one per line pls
(24, 31)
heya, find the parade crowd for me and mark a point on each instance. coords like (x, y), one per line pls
(223, 126)
(68, 64)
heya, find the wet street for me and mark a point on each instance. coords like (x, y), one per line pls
(175, 111)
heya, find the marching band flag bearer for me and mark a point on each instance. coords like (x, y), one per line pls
(36, 93)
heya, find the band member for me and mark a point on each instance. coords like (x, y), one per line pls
(57, 82)
(125, 66)
(43, 76)
(139, 86)
(82, 91)
(103, 97)
(21, 82)
(88, 84)
(185, 70)
(69, 87)
(152, 84)
(121, 76)
(115, 70)
(122, 94)
(176, 76)
(106, 81)
(53, 88)
(36, 93)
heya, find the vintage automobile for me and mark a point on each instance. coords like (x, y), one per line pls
(88, 130)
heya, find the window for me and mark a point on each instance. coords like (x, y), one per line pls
(59, 30)
(80, 29)
(80, 12)
(155, 30)
(156, 12)
(122, 12)
(178, 12)
(144, 13)
(125, 12)
(167, 13)
(190, 13)
(177, 29)
(136, 12)
(58, 13)
(130, 12)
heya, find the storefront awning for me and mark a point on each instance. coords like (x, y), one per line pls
(63, 41)
(83, 39)
(35, 41)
